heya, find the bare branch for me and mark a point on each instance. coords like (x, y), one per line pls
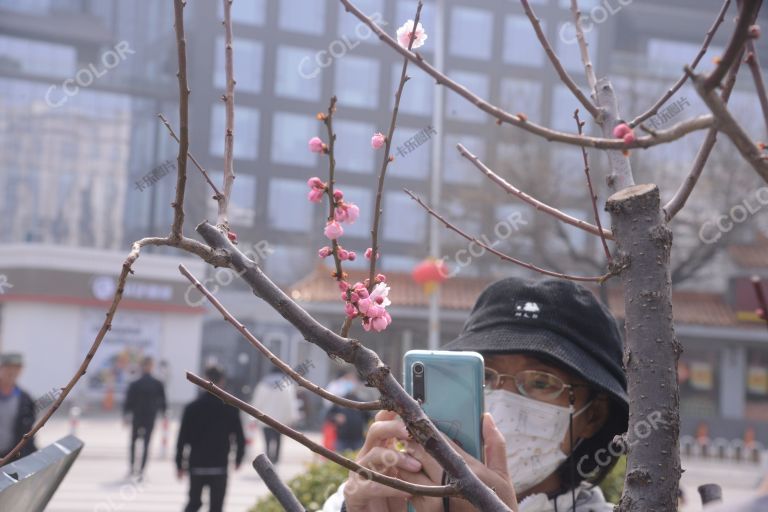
(539, 205)
(686, 188)
(621, 176)
(395, 483)
(728, 125)
(505, 257)
(663, 136)
(216, 192)
(747, 17)
(672, 90)
(387, 157)
(229, 130)
(279, 490)
(592, 195)
(306, 383)
(757, 75)
(369, 366)
(561, 72)
(589, 70)
(181, 171)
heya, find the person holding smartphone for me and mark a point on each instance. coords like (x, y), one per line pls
(555, 397)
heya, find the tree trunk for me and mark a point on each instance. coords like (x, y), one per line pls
(651, 350)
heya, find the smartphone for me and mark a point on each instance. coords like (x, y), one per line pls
(449, 386)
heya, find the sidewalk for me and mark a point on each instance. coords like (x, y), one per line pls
(97, 481)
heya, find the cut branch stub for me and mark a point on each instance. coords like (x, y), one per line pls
(651, 350)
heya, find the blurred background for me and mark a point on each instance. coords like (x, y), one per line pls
(86, 168)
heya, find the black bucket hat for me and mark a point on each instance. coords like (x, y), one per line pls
(552, 318)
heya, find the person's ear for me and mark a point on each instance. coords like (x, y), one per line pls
(595, 416)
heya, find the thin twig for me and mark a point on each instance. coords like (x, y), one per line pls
(728, 125)
(328, 120)
(505, 257)
(589, 70)
(695, 62)
(181, 174)
(216, 192)
(308, 384)
(561, 72)
(387, 158)
(757, 75)
(686, 188)
(395, 483)
(662, 137)
(539, 205)
(592, 195)
(229, 109)
(747, 17)
(279, 490)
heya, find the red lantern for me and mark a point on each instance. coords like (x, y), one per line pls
(430, 273)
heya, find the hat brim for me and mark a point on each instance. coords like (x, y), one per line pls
(547, 344)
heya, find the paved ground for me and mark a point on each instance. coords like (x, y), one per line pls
(97, 481)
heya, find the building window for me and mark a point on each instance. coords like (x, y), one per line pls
(42, 58)
(353, 146)
(289, 209)
(246, 143)
(250, 12)
(306, 16)
(665, 57)
(456, 168)
(757, 385)
(563, 105)
(357, 81)
(290, 133)
(242, 203)
(248, 58)
(404, 219)
(521, 96)
(521, 46)
(352, 29)
(417, 93)
(295, 77)
(412, 149)
(568, 48)
(458, 107)
(699, 382)
(471, 33)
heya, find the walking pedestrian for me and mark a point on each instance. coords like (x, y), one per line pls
(17, 409)
(143, 401)
(209, 427)
(350, 424)
(276, 396)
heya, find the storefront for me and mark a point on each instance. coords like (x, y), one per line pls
(54, 300)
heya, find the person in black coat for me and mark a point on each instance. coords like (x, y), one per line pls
(143, 401)
(17, 409)
(351, 425)
(208, 428)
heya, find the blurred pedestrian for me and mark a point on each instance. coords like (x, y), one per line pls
(209, 427)
(17, 409)
(275, 396)
(350, 424)
(143, 401)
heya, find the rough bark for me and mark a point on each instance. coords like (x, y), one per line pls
(651, 350)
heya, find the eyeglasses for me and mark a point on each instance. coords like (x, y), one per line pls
(539, 385)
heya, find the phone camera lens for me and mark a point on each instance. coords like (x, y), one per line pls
(418, 369)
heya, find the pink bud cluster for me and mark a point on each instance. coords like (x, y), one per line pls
(623, 131)
(371, 307)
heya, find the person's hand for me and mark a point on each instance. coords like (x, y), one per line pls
(179, 474)
(363, 495)
(493, 473)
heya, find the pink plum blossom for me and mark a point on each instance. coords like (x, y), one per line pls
(404, 35)
(315, 195)
(381, 290)
(621, 130)
(324, 252)
(343, 254)
(315, 182)
(352, 256)
(316, 145)
(347, 212)
(380, 323)
(381, 278)
(378, 140)
(350, 310)
(369, 252)
(333, 230)
(343, 286)
(338, 195)
(364, 305)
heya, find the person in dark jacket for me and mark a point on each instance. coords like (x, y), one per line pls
(17, 409)
(351, 425)
(207, 429)
(143, 401)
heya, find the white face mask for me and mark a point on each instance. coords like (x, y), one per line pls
(533, 431)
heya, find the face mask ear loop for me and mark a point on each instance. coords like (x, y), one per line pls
(572, 401)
